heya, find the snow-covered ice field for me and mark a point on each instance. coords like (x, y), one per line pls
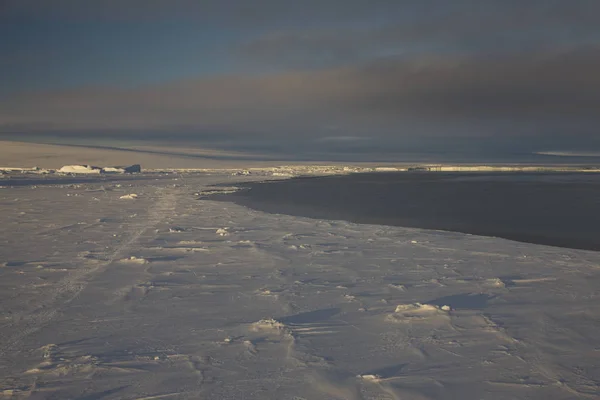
(142, 289)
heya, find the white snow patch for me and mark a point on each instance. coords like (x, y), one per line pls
(131, 196)
(190, 243)
(402, 288)
(388, 169)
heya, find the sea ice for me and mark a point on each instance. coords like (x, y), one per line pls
(354, 312)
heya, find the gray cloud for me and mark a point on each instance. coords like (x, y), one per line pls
(382, 97)
(347, 68)
(540, 85)
(431, 14)
(223, 11)
(460, 27)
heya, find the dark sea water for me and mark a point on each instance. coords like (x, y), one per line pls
(557, 209)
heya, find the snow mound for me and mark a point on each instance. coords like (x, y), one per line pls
(495, 282)
(80, 169)
(223, 232)
(409, 313)
(131, 196)
(416, 308)
(268, 325)
(370, 378)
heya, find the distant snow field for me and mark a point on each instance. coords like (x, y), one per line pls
(173, 296)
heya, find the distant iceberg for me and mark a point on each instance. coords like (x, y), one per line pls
(132, 169)
(80, 169)
(89, 169)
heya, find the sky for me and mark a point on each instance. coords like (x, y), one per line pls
(311, 77)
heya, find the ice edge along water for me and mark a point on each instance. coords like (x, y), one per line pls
(302, 169)
(139, 289)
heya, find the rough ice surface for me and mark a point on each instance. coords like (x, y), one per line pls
(103, 299)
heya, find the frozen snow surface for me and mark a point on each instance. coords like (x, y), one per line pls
(175, 296)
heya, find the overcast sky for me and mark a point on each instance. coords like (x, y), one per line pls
(327, 75)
